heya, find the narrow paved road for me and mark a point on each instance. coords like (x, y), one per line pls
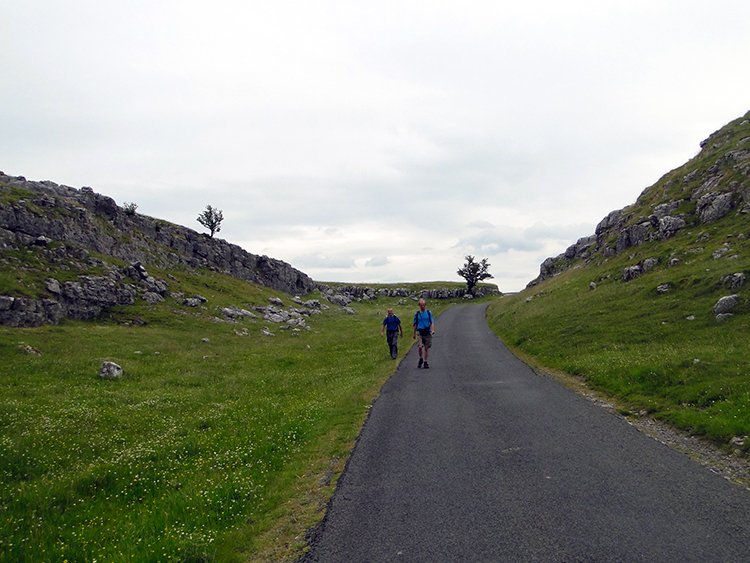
(480, 459)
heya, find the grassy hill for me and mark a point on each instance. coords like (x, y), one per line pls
(652, 340)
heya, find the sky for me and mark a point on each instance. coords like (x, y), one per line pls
(371, 142)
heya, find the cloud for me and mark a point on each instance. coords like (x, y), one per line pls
(322, 261)
(497, 239)
(377, 261)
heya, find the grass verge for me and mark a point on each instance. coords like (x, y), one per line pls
(661, 354)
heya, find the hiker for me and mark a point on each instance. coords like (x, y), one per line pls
(393, 324)
(425, 324)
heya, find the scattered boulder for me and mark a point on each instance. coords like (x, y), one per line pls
(196, 301)
(734, 281)
(631, 273)
(152, 298)
(277, 317)
(725, 304)
(721, 251)
(663, 288)
(236, 313)
(713, 206)
(669, 226)
(635, 235)
(29, 349)
(111, 370)
(649, 264)
(53, 286)
(276, 301)
(340, 300)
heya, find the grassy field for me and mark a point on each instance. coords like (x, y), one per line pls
(207, 451)
(663, 354)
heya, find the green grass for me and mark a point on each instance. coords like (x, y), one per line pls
(214, 451)
(662, 354)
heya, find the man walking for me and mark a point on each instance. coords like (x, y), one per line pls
(392, 324)
(425, 324)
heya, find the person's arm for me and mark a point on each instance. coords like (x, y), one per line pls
(382, 327)
(400, 329)
(414, 336)
(432, 323)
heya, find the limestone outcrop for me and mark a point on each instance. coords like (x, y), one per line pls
(47, 212)
(64, 225)
(713, 185)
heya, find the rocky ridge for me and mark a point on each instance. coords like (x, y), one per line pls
(67, 227)
(712, 186)
(39, 213)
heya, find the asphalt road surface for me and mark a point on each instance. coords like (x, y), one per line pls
(480, 459)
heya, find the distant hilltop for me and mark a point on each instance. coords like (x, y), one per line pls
(712, 186)
(42, 213)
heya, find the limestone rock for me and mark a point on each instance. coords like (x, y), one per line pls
(713, 206)
(111, 370)
(631, 273)
(725, 304)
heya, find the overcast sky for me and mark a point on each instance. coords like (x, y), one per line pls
(371, 141)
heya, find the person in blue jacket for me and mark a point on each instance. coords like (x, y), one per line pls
(425, 324)
(393, 324)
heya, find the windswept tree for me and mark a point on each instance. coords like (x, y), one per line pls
(474, 272)
(211, 218)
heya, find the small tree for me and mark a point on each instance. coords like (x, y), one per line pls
(130, 208)
(474, 272)
(211, 218)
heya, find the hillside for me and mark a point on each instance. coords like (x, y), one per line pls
(652, 309)
(72, 253)
(712, 189)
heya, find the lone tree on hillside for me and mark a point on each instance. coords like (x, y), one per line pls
(211, 218)
(474, 272)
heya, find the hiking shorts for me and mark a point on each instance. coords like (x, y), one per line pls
(425, 339)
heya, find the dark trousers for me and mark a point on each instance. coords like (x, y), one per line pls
(392, 336)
